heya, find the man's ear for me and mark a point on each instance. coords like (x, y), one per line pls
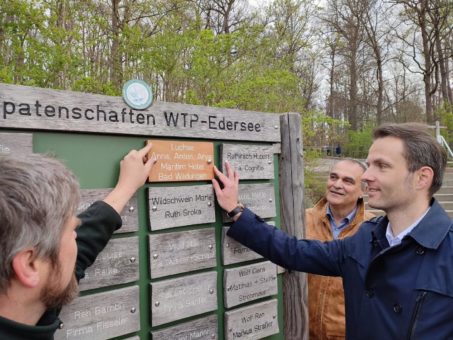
(26, 267)
(424, 177)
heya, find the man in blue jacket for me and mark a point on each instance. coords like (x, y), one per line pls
(44, 248)
(397, 270)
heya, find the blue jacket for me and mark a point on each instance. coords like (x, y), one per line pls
(402, 292)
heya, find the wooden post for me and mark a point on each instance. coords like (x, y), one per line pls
(292, 222)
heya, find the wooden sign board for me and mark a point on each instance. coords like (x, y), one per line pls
(179, 161)
(180, 252)
(252, 322)
(16, 143)
(199, 329)
(129, 215)
(250, 161)
(176, 299)
(249, 283)
(101, 316)
(260, 198)
(116, 264)
(235, 252)
(180, 206)
(25, 107)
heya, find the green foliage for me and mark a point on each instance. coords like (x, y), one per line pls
(445, 114)
(359, 142)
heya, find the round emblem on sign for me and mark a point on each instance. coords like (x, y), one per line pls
(137, 94)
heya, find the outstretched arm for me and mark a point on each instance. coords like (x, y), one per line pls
(102, 218)
(134, 169)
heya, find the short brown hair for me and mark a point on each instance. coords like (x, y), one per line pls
(420, 149)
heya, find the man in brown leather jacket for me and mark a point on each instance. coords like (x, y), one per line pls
(337, 215)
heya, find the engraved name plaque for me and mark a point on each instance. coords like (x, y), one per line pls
(16, 143)
(260, 198)
(116, 264)
(200, 329)
(252, 322)
(180, 298)
(101, 316)
(180, 206)
(129, 215)
(250, 161)
(248, 283)
(179, 252)
(235, 252)
(181, 161)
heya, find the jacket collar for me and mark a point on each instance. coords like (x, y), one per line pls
(429, 233)
(433, 228)
(12, 330)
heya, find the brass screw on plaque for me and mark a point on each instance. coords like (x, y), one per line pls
(157, 303)
(270, 200)
(209, 161)
(274, 316)
(210, 246)
(132, 259)
(275, 126)
(209, 203)
(212, 336)
(154, 208)
(131, 208)
(228, 245)
(155, 256)
(61, 325)
(211, 291)
(231, 329)
(133, 310)
(269, 162)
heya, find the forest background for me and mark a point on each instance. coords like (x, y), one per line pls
(345, 65)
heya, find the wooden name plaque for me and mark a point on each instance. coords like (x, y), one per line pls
(260, 198)
(252, 322)
(179, 252)
(176, 299)
(235, 252)
(180, 206)
(116, 264)
(129, 215)
(101, 316)
(250, 161)
(16, 143)
(249, 283)
(199, 329)
(181, 161)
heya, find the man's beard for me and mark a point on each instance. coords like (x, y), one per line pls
(53, 296)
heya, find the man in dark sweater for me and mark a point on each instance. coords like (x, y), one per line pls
(44, 248)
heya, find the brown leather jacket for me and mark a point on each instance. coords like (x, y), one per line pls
(325, 293)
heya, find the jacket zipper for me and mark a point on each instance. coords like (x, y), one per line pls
(418, 304)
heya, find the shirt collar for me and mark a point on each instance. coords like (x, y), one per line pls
(347, 219)
(395, 240)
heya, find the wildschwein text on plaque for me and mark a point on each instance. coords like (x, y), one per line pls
(179, 161)
(180, 206)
